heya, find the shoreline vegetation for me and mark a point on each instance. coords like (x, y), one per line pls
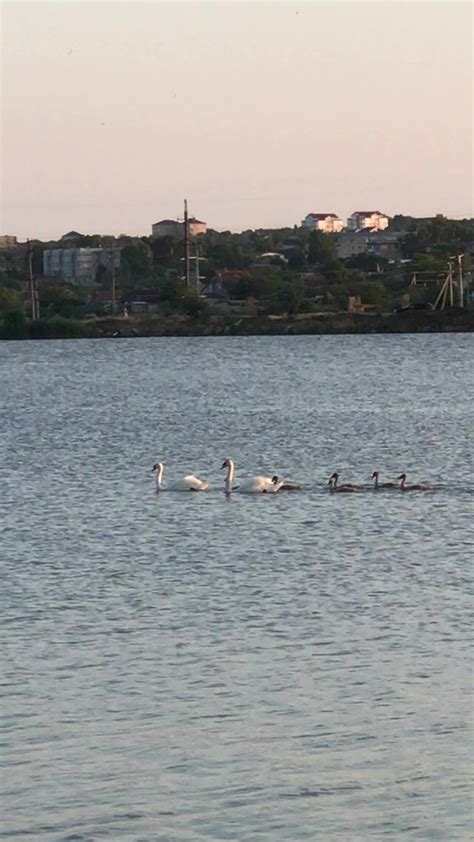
(264, 282)
(453, 320)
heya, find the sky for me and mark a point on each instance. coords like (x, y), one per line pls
(259, 113)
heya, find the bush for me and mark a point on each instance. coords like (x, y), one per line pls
(194, 306)
(14, 325)
(57, 328)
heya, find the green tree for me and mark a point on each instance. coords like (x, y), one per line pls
(135, 260)
(61, 301)
(367, 262)
(290, 297)
(321, 248)
(166, 251)
(374, 293)
(432, 263)
(10, 301)
(334, 271)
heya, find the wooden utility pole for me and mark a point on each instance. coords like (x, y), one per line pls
(446, 289)
(186, 244)
(461, 280)
(33, 292)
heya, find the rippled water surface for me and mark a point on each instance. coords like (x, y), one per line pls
(188, 667)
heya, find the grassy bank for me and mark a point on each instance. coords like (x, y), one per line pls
(453, 320)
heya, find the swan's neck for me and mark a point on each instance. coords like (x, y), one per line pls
(376, 482)
(403, 483)
(230, 477)
(159, 476)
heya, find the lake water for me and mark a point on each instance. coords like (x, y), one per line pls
(281, 668)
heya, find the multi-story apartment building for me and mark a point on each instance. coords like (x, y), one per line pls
(78, 265)
(368, 219)
(328, 223)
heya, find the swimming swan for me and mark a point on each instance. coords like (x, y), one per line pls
(342, 489)
(287, 486)
(189, 483)
(405, 487)
(257, 485)
(377, 484)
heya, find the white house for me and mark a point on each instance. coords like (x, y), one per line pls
(368, 219)
(328, 223)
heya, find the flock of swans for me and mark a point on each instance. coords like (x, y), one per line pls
(274, 485)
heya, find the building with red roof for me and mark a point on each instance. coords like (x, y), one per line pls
(328, 223)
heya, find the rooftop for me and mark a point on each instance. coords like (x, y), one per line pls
(367, 213)
(70, 235)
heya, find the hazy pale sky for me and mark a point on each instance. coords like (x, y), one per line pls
(113, 112)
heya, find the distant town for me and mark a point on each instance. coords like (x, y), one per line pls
(369, 264)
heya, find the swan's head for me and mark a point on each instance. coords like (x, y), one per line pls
(227, 463)
(402, 476)
(375, 475)
(275, 480)
(334, 478)
(157, 467)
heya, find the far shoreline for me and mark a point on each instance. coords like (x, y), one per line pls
(454, 320)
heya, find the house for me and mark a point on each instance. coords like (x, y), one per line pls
(78, 265)
(167, 228)
(196, 226)
(7, 242)
(377, 243)
(384, 244)
(373, 220)
(350, 243)
(328, 223)
(71, 237)
(174, 228)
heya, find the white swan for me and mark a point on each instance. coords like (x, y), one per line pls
(257, 485)
(189, 483)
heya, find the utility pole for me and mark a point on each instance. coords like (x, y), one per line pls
(198, 284)
(461, 281)
(112, 270)
(33, 292)
(186, 243)
(450, 284)
(196, 273)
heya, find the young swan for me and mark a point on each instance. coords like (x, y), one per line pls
(287, 486)
(419, 487)
(189, 483)
(377, 484)
(257, 485)
(345, 489)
